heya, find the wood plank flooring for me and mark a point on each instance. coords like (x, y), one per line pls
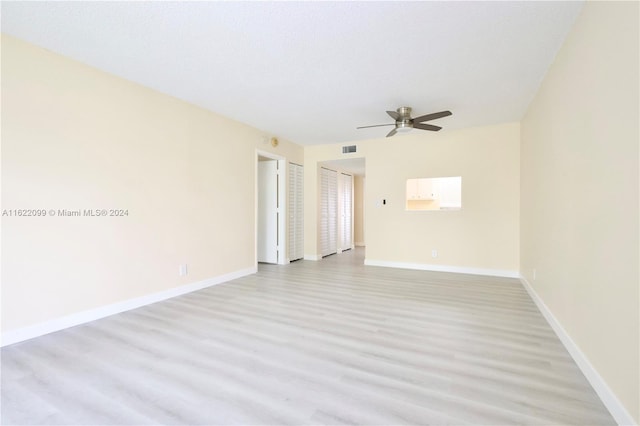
(329, 342)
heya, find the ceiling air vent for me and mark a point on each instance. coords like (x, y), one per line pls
(348, 149)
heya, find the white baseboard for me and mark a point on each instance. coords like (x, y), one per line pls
(312, 257)
(609, 399)
(359, 244)
(57, 324)
(444, 268)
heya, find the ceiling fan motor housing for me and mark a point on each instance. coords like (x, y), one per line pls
(404, 123)
(404, 112)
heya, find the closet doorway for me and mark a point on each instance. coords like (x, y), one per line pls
(270, 202)
(340, 219)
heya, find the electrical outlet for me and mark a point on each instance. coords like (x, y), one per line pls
(434, 253)
(182, 270)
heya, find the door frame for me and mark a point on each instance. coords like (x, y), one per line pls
(283, 258)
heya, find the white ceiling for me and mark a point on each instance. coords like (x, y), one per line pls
(311, 72)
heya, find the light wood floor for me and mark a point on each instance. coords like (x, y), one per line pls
(330, 342)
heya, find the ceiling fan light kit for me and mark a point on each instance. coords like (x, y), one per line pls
(404, 123)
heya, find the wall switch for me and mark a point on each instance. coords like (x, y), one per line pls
(434, 253)
(182, 270)
(534, 274)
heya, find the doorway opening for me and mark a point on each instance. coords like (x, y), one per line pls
(270, 239)
(341, 205)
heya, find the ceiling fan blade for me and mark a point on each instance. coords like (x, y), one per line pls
(375, 125)
(433, 116)
(394, 115)
(391, 133)
(422, 126)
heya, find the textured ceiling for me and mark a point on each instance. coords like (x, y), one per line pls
(312, 71)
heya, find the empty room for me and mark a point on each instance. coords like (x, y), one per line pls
(296, 213)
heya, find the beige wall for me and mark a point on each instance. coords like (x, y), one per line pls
(484, 234)
(76, 138)
(579, 208)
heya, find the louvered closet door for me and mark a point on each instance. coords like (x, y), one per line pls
(299, 213)
(296, 212)
(333, 211)
(347, 209)
(292, 212)
(328, 211)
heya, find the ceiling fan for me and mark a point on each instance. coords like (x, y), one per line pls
(404, 122)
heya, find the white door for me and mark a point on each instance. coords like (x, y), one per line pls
(346, 216)
(328, 211)
(268, 211)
